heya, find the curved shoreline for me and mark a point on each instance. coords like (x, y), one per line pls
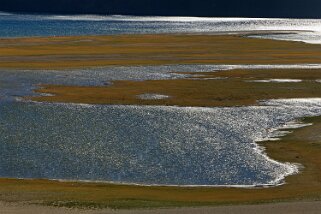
(195, 196)
(303, 146)
(280, 180)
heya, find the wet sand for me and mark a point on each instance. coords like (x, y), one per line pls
(279, 208)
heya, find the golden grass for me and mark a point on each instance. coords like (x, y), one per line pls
(86, 51)
(303, 146)
(235, 90)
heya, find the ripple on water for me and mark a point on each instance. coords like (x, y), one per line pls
(145, 144)
(307, 30)
(152, 96)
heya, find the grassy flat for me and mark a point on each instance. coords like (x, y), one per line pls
(234, 89)
(86, 51)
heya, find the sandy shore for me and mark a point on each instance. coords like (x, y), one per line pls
(293, 208)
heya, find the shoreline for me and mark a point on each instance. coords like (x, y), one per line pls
(199, 89)
(279, 181)
(218, 33)
(238, 193)
(303, 145)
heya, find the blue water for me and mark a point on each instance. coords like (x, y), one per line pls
(146, 145)
(138, 144)
(17, 25)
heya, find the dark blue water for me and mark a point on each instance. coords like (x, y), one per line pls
(14, 25)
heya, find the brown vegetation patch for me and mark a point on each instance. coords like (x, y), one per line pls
(86, 51)
(235, 90)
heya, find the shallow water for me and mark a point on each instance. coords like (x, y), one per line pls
(15, 25)
(276, 81)
(17, 83)
(152, 96)
(144, 145)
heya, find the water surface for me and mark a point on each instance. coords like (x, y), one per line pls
(142, 144)
(19, 25)
(149, 145)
